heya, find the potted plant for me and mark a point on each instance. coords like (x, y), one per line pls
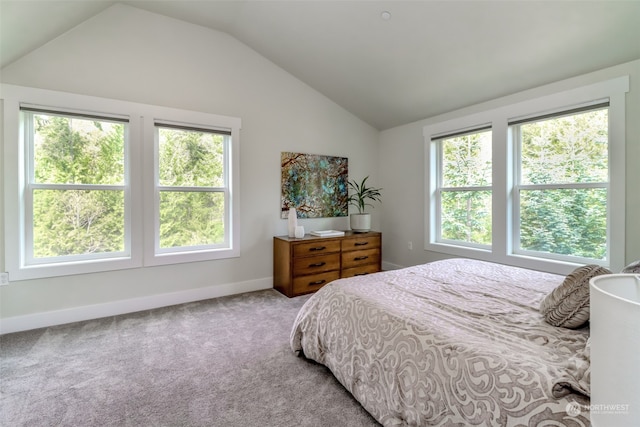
(361, 221)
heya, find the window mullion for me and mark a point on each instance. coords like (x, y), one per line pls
(471, 188)
(185, 188)
(26, 229)
(514, 206)
(80, 187)
(563, 186)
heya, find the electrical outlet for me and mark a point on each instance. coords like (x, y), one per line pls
(410, 246)
(4, 278)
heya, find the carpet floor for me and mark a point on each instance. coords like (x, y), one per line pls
(219, 362)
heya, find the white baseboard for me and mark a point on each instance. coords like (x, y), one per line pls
(95, 311)
(389, 266)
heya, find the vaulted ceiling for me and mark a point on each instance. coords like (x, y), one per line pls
(422, 59)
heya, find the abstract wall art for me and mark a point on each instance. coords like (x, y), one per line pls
(316, 185)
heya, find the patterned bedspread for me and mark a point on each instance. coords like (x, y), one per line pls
(455, 342)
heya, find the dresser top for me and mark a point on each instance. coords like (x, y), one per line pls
(309, 237)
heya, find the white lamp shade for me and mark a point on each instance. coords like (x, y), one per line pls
(615, 350)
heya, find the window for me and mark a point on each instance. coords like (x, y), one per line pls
(75, 200)
(194, 175)
(94, 184)
(538, 184)
(561, 188)
(464, 188)
(192, 185)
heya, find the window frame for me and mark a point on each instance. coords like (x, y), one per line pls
(153, 254)
(503, 238)
(518, 187)
(139, 183)
(440, 188)
(28, 111)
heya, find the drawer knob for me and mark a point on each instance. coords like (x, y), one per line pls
(361, 274)
(317, 282)
(361, 243)
(360, 258)
(317, 264)
(319, 248)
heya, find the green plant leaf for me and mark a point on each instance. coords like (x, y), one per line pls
(361, 193)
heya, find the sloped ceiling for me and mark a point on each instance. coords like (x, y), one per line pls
(430, 57)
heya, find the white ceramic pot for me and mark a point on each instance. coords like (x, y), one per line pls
(361, 223)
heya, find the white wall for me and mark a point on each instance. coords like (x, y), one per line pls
(402, 170)
(130, 54)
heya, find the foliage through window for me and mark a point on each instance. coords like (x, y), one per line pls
(75, 193)
(95, 184)
(465, 188)
(192, 185)
(562, 184)
(538, 183)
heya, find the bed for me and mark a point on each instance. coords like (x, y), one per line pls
(455, 342)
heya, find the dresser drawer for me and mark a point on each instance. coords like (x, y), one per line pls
(302, 265)
(361, 257)
(360, 271)
(316, 248)
(316, 264)
(306, 284)
(357, 243)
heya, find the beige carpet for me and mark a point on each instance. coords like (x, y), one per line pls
(220, 362)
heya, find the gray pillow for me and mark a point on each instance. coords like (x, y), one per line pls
(568, 304)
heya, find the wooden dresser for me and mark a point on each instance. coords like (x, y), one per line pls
(302, 266)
